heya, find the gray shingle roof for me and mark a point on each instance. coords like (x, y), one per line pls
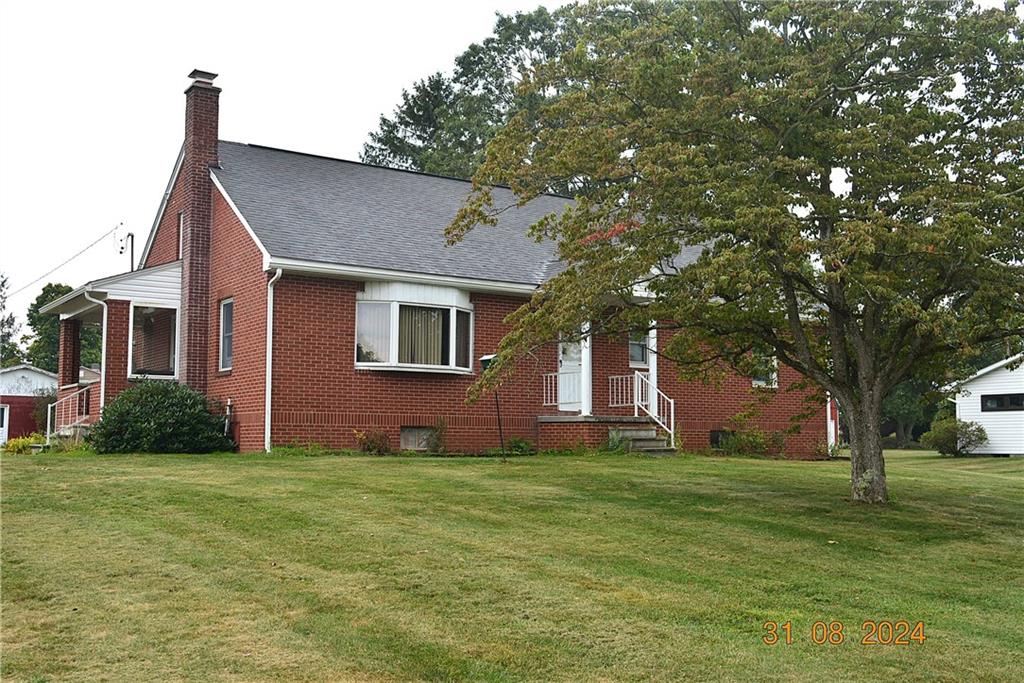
(346, 213)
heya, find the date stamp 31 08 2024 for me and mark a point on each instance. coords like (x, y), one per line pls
(900, 632)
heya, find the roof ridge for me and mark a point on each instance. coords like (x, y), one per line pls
(385, 168)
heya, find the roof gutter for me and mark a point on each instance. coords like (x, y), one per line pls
(268, 380)
(365, 273)
(103, 351)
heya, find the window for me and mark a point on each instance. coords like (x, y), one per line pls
(638, 350)
(153, 347)
(767, 373)
(999, 402)
(415, 438)
(227, 328)
(392, 334)
(181, 232)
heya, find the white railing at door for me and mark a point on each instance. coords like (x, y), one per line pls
(651, 400)
(621, 392)
(562, 389)
(67, 412)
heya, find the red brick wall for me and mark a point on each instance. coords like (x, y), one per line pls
(164, 248)
(319, 397)
(69, 350)
(701, 408)
(237, 273)
(117, 348)
(19, 415)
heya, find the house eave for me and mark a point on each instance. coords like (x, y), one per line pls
(348, 272)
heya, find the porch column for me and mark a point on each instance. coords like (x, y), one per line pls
(652, 367)
(68, 352)
(586, 372)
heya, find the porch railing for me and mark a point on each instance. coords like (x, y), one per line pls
(655, 403)
(620, 391)
(562, 388)
(68, 412)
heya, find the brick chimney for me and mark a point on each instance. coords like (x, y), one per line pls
(201, 113)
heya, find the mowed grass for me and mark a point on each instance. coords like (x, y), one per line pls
(597, 567)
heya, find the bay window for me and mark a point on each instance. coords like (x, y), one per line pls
(391, 334)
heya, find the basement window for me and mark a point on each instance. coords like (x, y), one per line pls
(400, 336)
(152, 342)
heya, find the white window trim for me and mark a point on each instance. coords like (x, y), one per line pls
(132, 305)
(181, 233)
(220, 336)
(637, 365)
(393, 364)
(774, 384)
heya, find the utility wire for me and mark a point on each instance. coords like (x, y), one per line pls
(55, 269)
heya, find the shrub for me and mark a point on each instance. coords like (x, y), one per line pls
(951, 436)
(744, 442)
(520, 446)
(159, 417)
(374, 443)
(23, 444)
(438, 436)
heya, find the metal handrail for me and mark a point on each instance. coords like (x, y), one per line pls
(657, 405)
(57, 409)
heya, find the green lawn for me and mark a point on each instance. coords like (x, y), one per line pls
(602, 567)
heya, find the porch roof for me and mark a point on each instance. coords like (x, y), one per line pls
(159, 285)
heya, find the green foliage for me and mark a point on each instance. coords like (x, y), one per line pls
(950, 436)
(436, 440)
(517, 445)
(10, 354)
(372, 442)
(23, 444)
(905, 406)
(443, 124)
(159, 417)
(43, 344)
(720, 127)
(615, 443)
(40, 406)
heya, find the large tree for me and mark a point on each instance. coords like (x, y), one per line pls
(852, 170)
(10, 354)
(42, 346)
(443, 123)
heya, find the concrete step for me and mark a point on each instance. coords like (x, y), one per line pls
(648, 444)
(633, 433)
(661, 452)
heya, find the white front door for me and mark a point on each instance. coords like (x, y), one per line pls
(5, 418)
(570, 365)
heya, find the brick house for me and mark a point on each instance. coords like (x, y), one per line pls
(314, 297)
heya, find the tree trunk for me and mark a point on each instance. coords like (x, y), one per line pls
(866, 461)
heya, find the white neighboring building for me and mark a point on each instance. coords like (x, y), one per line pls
(994, 398)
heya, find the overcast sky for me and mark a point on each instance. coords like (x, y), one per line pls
(92, 111)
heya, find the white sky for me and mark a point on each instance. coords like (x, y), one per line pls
(92, 106)
(92, 110)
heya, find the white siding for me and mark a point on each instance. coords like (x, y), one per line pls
(159, 286)
(1005, 428)
(24, 382)
(413, 293)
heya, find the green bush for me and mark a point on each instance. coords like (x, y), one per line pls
(951, 436)
(159, 417)
(374, 443)
(745, 442)
(23, 444)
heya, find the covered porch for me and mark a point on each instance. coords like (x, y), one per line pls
(137, 314)
(595, 387)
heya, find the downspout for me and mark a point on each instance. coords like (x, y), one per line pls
(270, 360)
(103, 351)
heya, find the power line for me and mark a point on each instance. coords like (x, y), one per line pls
(56, 268)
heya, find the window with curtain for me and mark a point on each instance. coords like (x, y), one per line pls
(395, 334)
